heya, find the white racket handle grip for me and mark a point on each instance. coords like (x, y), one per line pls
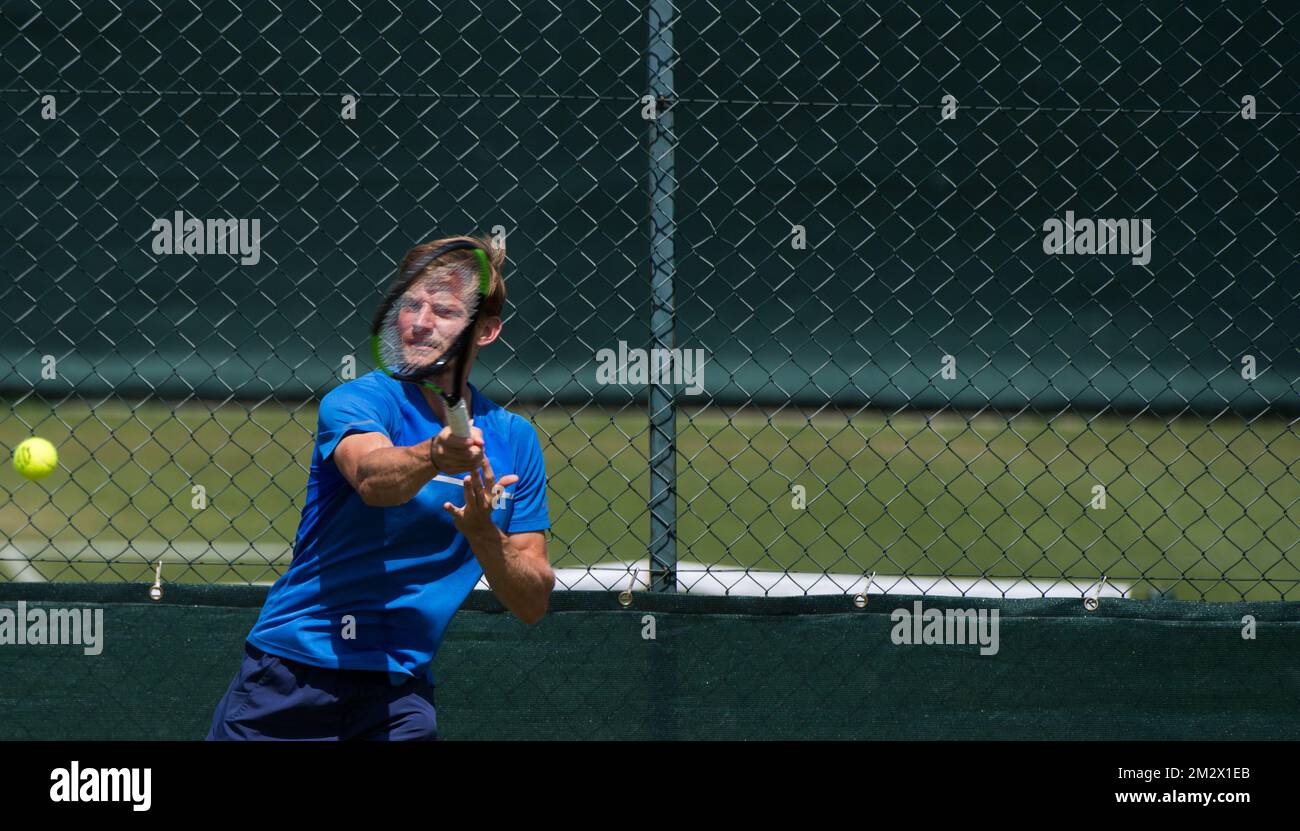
(458, 416)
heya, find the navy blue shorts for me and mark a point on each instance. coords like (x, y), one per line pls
(279, 698)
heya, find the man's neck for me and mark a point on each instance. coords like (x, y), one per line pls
(439, 406)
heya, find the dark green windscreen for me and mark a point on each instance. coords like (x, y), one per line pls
(717, 668)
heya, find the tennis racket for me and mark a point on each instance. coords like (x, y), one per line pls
(421, 332)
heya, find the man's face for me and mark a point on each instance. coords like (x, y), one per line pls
(431, 315)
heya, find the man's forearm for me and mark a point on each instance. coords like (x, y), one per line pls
(521, 583)
(393, 475)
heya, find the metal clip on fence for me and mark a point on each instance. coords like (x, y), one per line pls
(625, 596)
(1091, 603)
(860, 599)
(155, 591)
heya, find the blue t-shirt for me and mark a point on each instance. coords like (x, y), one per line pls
(374, 588)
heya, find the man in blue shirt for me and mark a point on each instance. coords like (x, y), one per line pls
(401, 520)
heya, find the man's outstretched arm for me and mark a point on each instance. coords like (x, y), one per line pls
(515, 565)
(385, 475)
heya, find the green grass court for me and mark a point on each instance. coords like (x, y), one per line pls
(1217, 503)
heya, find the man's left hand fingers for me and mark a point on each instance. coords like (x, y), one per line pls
(474, 494)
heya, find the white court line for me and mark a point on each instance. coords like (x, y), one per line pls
(696, 578)
(692, 578)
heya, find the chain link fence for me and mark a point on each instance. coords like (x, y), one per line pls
(995, 300)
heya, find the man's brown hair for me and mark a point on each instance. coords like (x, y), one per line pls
(495, 302)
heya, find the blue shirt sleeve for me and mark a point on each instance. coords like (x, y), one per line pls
(530, 512)
(345, 411)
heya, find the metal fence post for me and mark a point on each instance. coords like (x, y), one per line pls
(663, 407)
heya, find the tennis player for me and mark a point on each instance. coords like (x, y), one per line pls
(400, 521)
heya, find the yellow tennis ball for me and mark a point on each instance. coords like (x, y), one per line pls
(36, 458)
